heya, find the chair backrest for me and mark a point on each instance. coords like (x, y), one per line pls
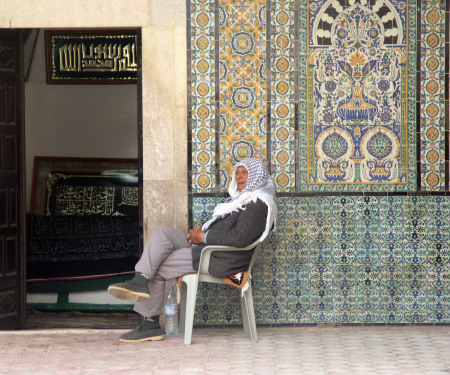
(254, 256)
(257, 245)
(260, 240)
(269, 225)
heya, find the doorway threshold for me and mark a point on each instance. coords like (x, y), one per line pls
(38, 319)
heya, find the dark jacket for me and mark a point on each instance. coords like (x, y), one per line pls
(239, 229)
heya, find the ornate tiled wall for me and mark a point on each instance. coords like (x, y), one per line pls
(283, 94)
(324, 91)
(346, 101)
(202, 97)
(346, 259)
(242, 74)
(433, 96)
(360, 96)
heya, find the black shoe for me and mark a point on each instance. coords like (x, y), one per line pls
(149, 330)
(135, 289)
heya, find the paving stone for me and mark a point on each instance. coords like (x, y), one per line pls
(285, 350)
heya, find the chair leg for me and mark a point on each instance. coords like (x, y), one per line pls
(248, 314)
(191, 297)
(182, 320)
(244, 313)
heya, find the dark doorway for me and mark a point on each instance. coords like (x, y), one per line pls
(12, 258)
(14, 66)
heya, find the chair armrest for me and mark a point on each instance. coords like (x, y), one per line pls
(208, 250)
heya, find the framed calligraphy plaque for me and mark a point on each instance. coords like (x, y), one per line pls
(92, 56)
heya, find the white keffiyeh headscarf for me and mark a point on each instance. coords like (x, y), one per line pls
(259, 186)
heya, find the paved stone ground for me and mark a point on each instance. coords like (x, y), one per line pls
(288, 350)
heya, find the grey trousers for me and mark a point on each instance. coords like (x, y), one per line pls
(166, 256)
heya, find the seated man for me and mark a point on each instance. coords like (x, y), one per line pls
(169, 253)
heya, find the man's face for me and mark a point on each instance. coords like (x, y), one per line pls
(241, 177)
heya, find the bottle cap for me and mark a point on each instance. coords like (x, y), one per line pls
(170, 286)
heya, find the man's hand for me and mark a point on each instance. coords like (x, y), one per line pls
(196, 236)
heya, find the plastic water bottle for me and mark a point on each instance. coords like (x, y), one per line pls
(171, 312)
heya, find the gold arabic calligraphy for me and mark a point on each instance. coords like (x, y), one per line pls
(106, 57)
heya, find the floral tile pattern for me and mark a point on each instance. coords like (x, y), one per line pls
(283, 94)
(202, 95)
(359, 89)
(324, 91)
(433, 96)
(243, 83)
(309, 273)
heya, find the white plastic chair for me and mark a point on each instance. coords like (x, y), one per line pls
(189, 285)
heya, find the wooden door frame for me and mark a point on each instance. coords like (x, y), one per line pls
(17, 317)
(22, 254)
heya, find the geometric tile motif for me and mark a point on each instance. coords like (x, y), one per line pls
(344, 259)
(360, 90)
(243, 83)
(283, 89)
(202, 95)
(433, 96)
